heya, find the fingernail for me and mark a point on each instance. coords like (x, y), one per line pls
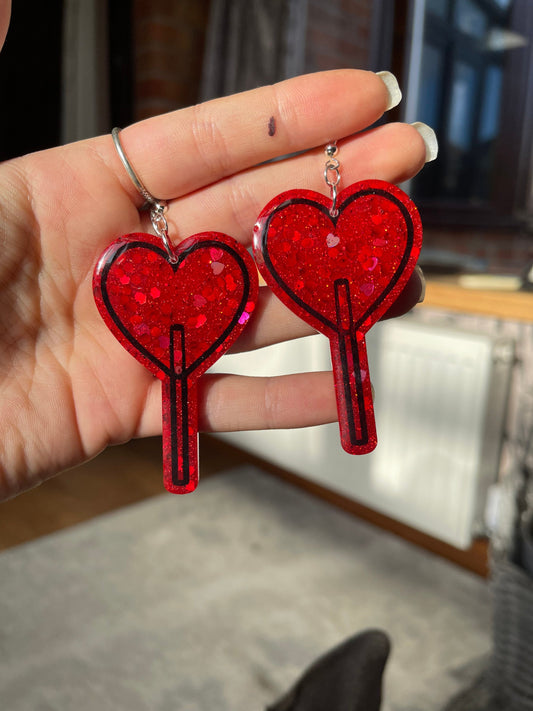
(393, 89)
(422, 283)
(430, 139)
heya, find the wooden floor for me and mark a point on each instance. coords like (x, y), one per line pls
(130, 473)
(118, 477)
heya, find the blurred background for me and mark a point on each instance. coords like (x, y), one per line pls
(453, 379)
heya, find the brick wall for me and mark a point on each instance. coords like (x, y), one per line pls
(169, 38)
(169, 41)
(338, 34)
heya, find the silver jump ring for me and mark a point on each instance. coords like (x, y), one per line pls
(332, 167)
(333, 209)
(160, 225)
(157, 207)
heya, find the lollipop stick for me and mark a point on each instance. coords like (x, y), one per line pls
(352, 381)
(180, 421)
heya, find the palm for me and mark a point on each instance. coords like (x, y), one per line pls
(68, 388)
(62, 371)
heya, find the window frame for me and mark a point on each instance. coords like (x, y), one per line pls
(511, 200)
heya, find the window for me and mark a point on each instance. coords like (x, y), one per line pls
(466, 71)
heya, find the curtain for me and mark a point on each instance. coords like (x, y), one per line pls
(251, 43)
(85, 102)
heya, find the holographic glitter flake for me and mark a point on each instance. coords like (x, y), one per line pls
(177, 319)
(340, 274)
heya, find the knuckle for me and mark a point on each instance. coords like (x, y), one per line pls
(243, 205)
(210, 144)
(271, 403)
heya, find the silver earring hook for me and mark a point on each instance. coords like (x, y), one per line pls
(157, 207)
(332, 174)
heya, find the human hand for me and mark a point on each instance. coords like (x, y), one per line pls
(67, 387)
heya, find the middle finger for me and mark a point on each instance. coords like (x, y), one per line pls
(394, 152)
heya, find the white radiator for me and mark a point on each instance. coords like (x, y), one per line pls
(440, 408)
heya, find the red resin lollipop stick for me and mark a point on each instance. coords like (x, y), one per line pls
(180, 421)
(352, 384)
(339, 265)
(177, 312)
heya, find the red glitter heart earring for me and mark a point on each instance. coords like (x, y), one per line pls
(339, 263)
(176, 310)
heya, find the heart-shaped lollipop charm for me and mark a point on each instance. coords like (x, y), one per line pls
(177, 317)
(340, 273)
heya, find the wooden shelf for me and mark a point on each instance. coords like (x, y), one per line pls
(513, 306)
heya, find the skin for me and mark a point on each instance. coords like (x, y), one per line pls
(5, 12)
(67, 388)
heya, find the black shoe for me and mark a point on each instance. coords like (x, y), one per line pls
(347, 678)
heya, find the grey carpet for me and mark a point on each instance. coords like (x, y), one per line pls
(217, 601)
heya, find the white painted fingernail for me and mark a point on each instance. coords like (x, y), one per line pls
(422, 278)
(393, 89)
(430, 139)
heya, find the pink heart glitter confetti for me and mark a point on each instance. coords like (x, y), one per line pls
(332, 240)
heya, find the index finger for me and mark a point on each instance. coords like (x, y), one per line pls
(182, 151)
